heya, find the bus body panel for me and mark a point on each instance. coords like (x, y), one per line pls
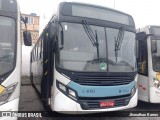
(15, 76)
(154, 95)
(142, 88)
(12, 103)
(10, 106)
(151, 94)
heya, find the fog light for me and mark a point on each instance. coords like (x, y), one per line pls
(71, 92)
(62, 87)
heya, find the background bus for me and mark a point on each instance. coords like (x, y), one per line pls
(10, 55)
(149, 64)
(85, 60)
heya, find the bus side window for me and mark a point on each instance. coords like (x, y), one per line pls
(41, 49)
(143, 58)
(37, 52)
(38, 47)
(32, 55)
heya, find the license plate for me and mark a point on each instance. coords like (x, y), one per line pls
(107, 104)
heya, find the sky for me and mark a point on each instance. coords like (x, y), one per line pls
(144, 12)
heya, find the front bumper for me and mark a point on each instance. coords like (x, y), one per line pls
(63, 104)
(9, 107)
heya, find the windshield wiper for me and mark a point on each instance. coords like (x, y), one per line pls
(93, 38)
(118, 41)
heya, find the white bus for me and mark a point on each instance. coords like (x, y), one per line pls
(10, 55)
(85, 60)
(149, 64)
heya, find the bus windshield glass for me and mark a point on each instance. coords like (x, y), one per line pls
(78, 53)
(7, 44)
(156, 56)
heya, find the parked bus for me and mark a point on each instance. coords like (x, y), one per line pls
(10, 55)
(85, 60)
(149, 64)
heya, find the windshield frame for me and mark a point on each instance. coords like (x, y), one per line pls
(127, 29)
(14, 18)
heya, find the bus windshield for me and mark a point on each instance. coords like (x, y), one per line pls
(78, 53)
(7, 44)
(156, 58)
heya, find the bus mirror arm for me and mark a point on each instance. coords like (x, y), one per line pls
(24, 21)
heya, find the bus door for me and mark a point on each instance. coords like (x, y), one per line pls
(48, 63)
(143, 79)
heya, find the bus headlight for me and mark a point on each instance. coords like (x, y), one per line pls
(62, 87)
(156, 83)
(66, 90)
(7, 92)
(71, 92)
(133, 91)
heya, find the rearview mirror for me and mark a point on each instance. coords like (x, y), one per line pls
(26, 34)
(27, 38)
(140, 36)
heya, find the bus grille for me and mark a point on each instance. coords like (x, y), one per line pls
(95, 104)
(103, 80)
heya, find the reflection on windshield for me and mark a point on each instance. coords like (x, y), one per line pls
(7, 44)
(78, 53)
(118, 41)
(93, 38)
